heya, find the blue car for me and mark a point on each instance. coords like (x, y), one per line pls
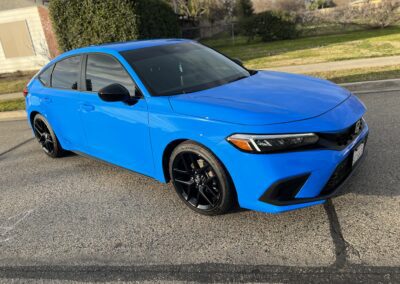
(178, 111)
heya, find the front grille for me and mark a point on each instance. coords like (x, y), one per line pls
(341, 172)
(343, 138)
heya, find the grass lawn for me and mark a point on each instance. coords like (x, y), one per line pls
(14, 82)
(16, 104)
(308, 50)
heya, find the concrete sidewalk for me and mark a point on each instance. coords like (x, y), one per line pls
(340, 65)
(12, 115)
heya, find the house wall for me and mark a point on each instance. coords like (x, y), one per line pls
(36, 36)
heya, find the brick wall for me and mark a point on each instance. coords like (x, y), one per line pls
(48, 31)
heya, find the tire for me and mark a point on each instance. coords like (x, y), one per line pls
(46, 137)
(200, 180)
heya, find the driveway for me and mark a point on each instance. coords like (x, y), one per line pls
(79, 219)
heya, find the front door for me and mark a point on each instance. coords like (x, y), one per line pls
(115, 132)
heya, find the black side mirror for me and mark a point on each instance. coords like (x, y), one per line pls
(114, 93)
(237, 61)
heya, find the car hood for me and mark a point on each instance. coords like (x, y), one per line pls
(264, 98)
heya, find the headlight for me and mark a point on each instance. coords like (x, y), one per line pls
(272, 143)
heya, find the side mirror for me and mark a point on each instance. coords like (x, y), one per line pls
(238, 61)
(114, 93)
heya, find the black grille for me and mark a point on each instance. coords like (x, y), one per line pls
(341, 172)
(343, 138)
(284, 191)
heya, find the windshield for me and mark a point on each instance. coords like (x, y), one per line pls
(182, 68)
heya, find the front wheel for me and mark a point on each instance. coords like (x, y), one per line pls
(46, 137)
(200, 180)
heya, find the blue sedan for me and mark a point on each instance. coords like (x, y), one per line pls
(178, 111)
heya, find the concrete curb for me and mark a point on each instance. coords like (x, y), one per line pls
(12, 115)
(380, 86)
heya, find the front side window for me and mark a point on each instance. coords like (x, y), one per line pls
(103, 70)
(183, 68)
(66, 73)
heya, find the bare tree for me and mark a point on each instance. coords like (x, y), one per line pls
(383, 14)
(291, 5)
(374, 15)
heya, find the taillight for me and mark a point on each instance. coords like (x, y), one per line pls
(25, 91)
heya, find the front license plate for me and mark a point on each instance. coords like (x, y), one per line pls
(358, 152)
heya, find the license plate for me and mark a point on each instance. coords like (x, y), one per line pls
(358, 152)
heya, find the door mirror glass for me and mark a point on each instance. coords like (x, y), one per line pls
(114, 93)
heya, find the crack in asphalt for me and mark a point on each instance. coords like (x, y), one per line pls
(16, 146)
(342, 247)
(337, 236)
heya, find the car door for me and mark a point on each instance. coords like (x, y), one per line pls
(62, 102)
(115, 131)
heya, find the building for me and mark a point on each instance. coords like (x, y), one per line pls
(27, 41)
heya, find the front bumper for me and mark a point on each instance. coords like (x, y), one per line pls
(314, 170)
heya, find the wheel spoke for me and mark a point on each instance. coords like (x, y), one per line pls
(210, 190)
(206, 198)
(38, 128)
(190, 182)
(182, 171)
(197, 199)
(189, 191)
(185, 165)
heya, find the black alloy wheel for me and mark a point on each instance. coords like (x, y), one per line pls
(200, 180)
(46, 137)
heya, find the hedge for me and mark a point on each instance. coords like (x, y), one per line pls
(80, 23)
(270, 25)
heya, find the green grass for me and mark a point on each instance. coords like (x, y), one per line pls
(9, 105)
(309, 50)
(14, 82)
(359, 75)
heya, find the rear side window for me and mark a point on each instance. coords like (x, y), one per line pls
(103, 70)
(66, 73)
(45, 76)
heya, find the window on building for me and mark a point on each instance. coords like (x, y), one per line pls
(16, 39)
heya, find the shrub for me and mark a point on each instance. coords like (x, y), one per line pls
(271, 25)
(80, 23)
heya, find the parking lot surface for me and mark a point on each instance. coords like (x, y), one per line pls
(79, 219)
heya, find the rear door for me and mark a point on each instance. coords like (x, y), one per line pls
(62, 102)
(115, 131)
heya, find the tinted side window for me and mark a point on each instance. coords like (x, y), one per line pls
(66, 73)
(103, 70)
(45, 76)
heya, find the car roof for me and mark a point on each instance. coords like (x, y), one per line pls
(124, 46)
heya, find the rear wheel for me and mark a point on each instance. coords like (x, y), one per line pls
(46, 137)
(200, 180)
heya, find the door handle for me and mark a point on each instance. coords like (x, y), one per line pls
(87, 107)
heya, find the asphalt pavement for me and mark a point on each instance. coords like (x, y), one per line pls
(78, 219)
